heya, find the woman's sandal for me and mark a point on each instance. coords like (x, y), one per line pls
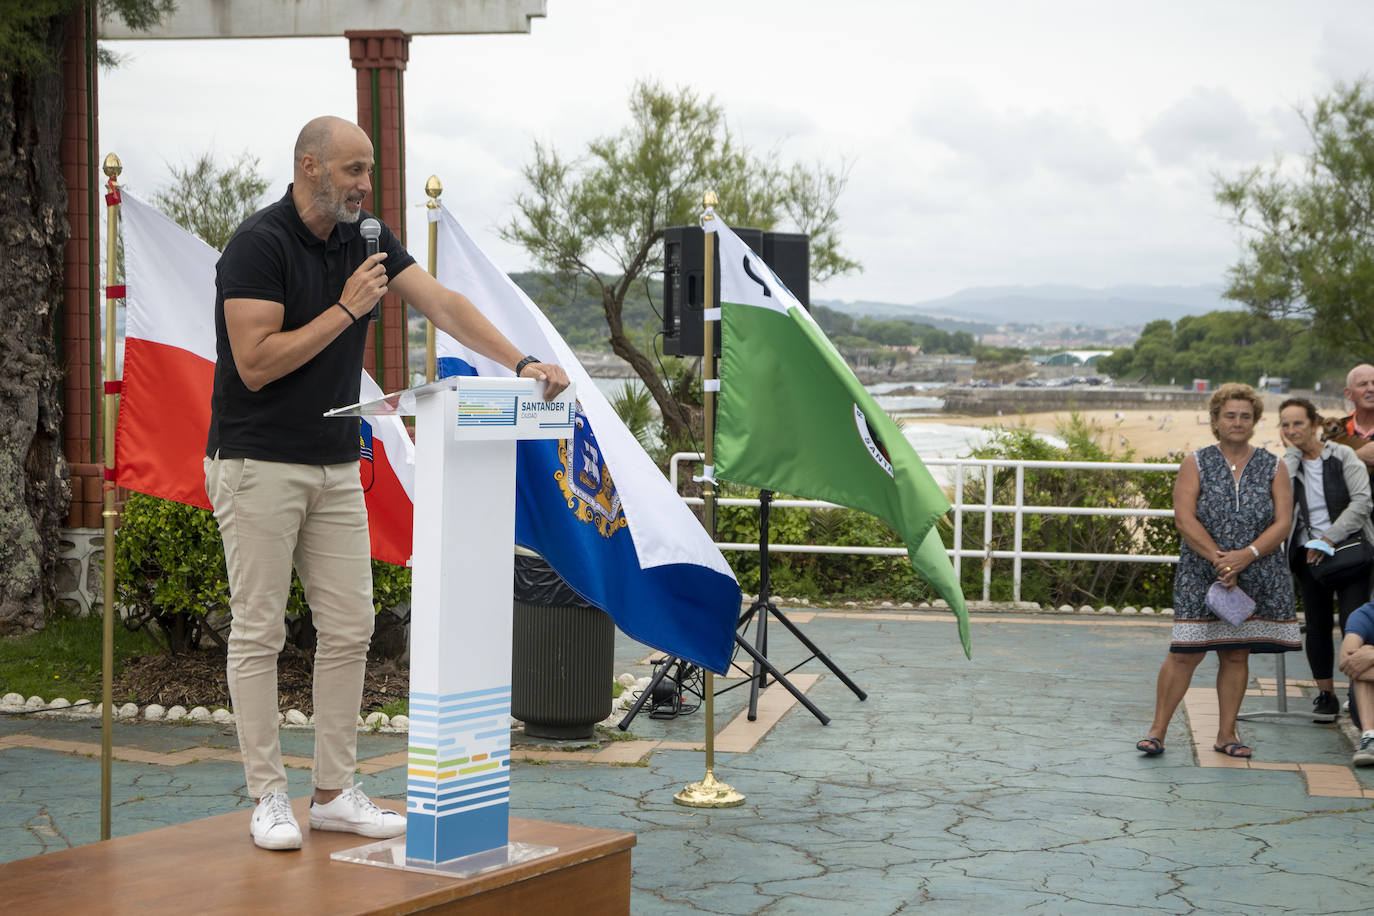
(1150, 747)
(1233, 749)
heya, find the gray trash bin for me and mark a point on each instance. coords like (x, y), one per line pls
(562, 655)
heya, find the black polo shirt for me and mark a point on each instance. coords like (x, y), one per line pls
(273, 256)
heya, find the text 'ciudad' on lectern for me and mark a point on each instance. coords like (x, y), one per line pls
(458, 771)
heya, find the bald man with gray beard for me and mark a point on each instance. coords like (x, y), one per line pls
(294, 287)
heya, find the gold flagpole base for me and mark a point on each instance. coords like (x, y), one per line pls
(709, 793)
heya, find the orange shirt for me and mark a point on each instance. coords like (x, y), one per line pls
(1352, 430)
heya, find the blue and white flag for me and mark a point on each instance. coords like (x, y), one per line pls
(596, 507)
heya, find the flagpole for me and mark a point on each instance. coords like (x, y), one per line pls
(433, 188)
(112, 168)
(710, 792)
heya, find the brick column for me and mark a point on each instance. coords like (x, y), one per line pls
(78, 327)
(379, 57)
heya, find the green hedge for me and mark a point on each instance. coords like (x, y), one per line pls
(170, 576)
(1074, 582)
(819, 576)
(829, 577)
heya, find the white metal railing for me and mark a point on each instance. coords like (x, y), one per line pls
(987, 508)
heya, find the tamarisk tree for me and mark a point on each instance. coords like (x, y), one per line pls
(1308, 237)
(599, 218)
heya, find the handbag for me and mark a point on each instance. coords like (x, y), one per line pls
(1350, 560)
(1230, 604)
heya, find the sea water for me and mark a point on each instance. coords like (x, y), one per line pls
(931, 440)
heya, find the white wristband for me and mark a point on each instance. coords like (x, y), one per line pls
(1254, 550)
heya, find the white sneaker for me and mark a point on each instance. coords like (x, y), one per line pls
(1364, 755)
(273, 825)
(353, 812)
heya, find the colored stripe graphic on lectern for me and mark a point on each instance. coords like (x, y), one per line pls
(476, 408)
(459, 754)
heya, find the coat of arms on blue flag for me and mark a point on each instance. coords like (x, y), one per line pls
(365, 440)
(586, 480)
(367, 467)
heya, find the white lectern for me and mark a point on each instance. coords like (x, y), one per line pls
(458, 775)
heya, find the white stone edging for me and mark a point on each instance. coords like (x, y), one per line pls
(61, 707)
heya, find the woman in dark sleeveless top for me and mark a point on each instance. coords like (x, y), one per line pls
(1233, 506)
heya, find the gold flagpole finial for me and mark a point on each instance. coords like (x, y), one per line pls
(433, 188)
(112, 167)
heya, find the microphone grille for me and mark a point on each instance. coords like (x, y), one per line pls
(370, 229)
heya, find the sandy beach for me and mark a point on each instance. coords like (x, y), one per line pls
(1151, 433)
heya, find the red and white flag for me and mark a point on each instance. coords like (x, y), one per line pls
(169, 372)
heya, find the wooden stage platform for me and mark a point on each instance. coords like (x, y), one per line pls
(212, 866)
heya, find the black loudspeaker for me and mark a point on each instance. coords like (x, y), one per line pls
(789, 254)
(684, 278)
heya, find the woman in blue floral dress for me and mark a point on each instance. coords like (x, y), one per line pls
(1233, 505)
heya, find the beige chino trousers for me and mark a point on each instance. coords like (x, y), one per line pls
(273, 515)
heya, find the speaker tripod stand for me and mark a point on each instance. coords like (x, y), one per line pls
(763, 669)
(671, 663)
(763, 608)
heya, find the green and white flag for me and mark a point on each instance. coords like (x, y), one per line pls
(792, 417)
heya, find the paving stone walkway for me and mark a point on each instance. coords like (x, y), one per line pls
(1009, 783)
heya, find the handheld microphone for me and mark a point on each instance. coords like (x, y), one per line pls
(371, 230)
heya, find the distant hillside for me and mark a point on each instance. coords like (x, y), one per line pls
(1050, 304)
(890, 311)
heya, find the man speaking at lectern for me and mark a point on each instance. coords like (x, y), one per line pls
(294, 288)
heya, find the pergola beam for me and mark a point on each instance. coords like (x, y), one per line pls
(330, 18)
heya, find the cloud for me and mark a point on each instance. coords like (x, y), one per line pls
(1017, 147)
(997, 142)
(1343, 49)
(1210, 124)
(765, 125)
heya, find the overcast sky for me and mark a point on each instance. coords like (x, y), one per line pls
(991, 142)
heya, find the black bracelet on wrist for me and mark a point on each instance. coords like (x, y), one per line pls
(351, 317)
(520, 366)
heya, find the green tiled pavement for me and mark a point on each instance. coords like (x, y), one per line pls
(1008, 783)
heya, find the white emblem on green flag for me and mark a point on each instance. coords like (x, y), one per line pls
(866, 434)
(787, 414)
